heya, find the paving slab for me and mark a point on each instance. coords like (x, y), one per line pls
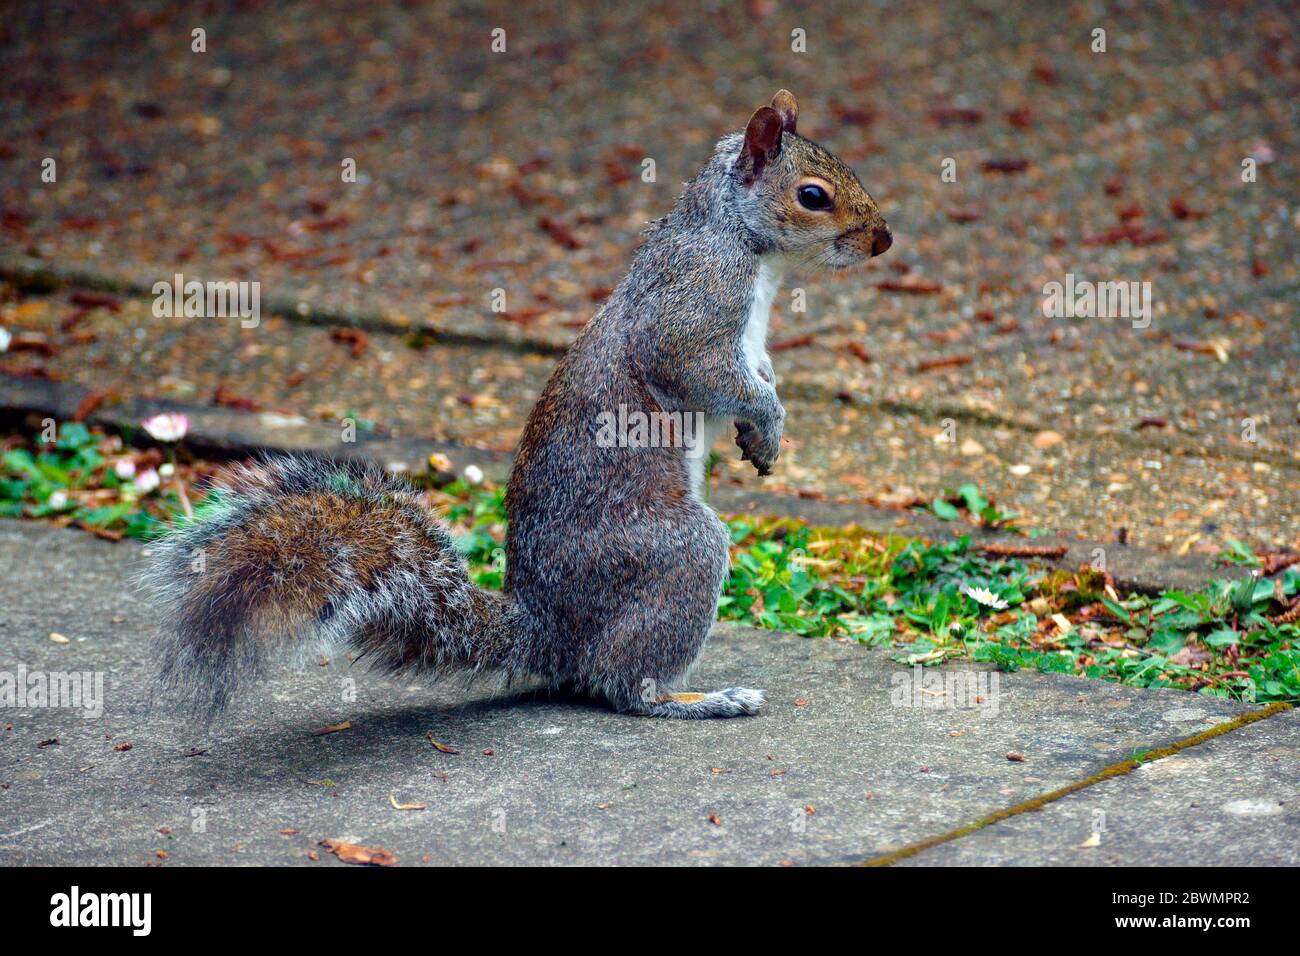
(851, 759)
(1231, 801)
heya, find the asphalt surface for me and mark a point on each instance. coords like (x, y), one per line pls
(851, 759)
(521, 171)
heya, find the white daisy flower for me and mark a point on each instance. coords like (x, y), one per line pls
(124, 469)
(146, 481)
(166, 470)
(473, 474)
(984, 596)
(166, 427)
(58, 500)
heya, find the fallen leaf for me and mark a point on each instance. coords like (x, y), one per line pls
(334, 728)
(1025, 551)
(559, 232)
(950, 361)
(1130, 231)
(1015, 756)
(715, 819)
(227, 399)
(58, 638)
(392, 798)
(913, 285)
(1216, 347)
(92, 300)
(965, 213)
(1179, 209)
(438, 745)
(947, 115)
(1092, 841)
(859, 351)
(794, 342)
(1022, 117)
(1005, 166)
(362, 855)
(355, 339)
(1190, 656)
(1275, 561)
(90, 404)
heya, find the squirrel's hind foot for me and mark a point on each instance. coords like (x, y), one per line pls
(732, 702)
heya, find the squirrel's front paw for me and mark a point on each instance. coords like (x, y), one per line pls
(759, 445)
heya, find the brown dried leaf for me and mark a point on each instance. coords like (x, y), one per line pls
(1007, 167)
(912, 285)
(361, 855)
(950, 361)
(334, 728)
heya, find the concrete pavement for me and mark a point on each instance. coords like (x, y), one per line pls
(851, 760)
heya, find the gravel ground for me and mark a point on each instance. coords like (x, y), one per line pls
(521, 171)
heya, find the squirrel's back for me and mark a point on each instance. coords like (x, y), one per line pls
(299, 552)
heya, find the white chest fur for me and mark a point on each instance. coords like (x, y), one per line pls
(766, 284)
(754, 345)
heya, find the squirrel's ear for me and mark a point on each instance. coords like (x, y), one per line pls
(785, 104)
(762, 144)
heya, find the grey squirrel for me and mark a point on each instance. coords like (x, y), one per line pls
(615, 563)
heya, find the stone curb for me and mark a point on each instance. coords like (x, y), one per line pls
(228, 433)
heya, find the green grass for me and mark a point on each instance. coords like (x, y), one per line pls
(908, 595)
(72, 481)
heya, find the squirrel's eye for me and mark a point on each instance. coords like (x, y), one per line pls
(814, 197)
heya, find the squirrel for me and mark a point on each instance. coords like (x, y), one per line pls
(615, 563)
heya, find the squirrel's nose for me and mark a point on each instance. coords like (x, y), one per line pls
(881, 240)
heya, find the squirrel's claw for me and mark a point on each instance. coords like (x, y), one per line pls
(751, 442)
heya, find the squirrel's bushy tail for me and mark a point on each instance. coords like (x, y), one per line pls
(290, 553)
